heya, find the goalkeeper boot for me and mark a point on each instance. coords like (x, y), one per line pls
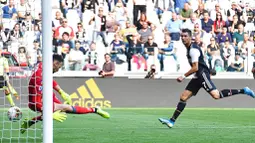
(102, 113)
(249, 92)
(24, 126)
(166, 122)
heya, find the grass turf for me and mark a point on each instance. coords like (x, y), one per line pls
(142, 126)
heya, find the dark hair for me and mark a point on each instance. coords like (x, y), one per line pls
(65, 33)
(19, 50)
(58, 58)
(107, 54)
(186, 30)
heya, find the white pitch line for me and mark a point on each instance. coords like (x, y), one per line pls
(201, 127)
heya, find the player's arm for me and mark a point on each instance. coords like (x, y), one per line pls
(63, 94)
(194, 53)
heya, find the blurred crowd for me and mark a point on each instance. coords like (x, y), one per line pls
(135, 33)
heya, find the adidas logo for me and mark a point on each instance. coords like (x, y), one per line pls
(90, 98)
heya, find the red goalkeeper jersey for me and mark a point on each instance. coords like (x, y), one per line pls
(35, 85)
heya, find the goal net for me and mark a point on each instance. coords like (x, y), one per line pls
(20, 25)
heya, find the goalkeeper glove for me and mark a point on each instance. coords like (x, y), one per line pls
(66, 97)
(59, 116)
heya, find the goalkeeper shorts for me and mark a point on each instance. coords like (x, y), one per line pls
(3, 82)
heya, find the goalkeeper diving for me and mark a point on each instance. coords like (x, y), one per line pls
(4, 80)
(59, 109)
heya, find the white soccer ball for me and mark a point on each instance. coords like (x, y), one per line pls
(14, 114)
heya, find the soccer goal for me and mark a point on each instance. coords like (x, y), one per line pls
(25, 26)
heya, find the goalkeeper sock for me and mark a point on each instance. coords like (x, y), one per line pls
(180, 107)
(34, 120)
(82, 110)
(13, 91)
(9, 98)
(230, 92)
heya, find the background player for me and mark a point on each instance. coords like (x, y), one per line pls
(35, 98)
(4, 80)
(201, 79)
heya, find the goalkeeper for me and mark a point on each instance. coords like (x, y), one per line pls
(59, 109)
(4, 80)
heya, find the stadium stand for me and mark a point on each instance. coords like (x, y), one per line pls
(123, 28)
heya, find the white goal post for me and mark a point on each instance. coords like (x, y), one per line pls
(47, 71)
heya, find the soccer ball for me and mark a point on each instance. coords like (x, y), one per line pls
(14, 114)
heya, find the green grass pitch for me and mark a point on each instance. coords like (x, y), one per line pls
(142, 126)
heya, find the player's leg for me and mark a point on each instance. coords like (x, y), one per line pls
(191, 89)
(80, 110)
(12, 90)
(27, 123)
(8, 95)
(209, 86)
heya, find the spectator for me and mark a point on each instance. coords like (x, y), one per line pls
(198, 40)
(75, 59)
(160, 7)
(236, 64)
(213, 13)
(100, 25)
(139, 5)
(9, 14)
(4, 36)
(235, 10)
(64, 28)
(27, 23)
(249, 18)
(91, 58)
(152, 73)
(135, 52)
(89, 5)
(213, 52)
(239, 35)
(108, 67)
(235, 24)
(16, 37)
(180, 4)
(81, 35)
(189, 23)
(37, 33)
(207, 23)
(112, 26)
(197, 31)
(35, 53)
(245, 47)
(65, 45)
(149, 47)
(157, 33)
(121, 14)
(141, 21)
(117, 50)
(223, 36)
(22, 10)
(22, 56)
(186, 12)
(227, 53)
(145, 32)
(218, 24)
(201, 10)
(173, 27)
(57, 21)
(168, 49)
(129, 30)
